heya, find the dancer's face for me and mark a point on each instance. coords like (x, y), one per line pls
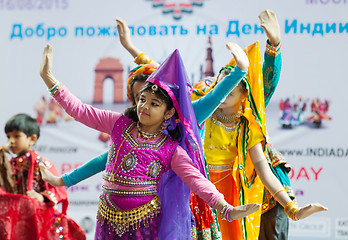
(152, 111)
(235, 97)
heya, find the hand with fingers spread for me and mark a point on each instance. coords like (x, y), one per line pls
(47, 176)
(270, 24)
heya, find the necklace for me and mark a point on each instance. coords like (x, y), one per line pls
(231, 131)
(146, 135)
(228, 119)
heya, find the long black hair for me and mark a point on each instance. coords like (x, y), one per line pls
(160, 93)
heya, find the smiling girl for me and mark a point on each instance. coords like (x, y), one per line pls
(149, 173)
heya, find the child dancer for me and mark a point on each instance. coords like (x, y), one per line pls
(234, 147)
(146, 168)
(30, 201)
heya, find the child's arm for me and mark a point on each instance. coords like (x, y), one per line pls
(206, 105)
(182, 165)
(100, 120)
(124, 35)
(81, 173)
(52, 194)
(272, 60)
(87, 170)
(275, 187)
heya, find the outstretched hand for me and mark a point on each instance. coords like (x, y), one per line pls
(46, 67)
(239, 55)
(243, 210)
(270, 24)
(47, 176)
(310, 209)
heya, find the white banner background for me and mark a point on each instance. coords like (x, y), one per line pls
(313, 66)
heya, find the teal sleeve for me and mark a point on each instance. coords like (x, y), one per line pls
(206, 105)
(271, 74)
(85, 171)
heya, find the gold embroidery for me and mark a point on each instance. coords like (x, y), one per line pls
(122, 220)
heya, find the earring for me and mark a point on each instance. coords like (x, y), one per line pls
(164, 124)
(242, 107)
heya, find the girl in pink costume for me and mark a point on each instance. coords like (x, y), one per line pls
(149, 174)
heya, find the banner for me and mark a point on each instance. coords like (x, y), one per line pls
(305, 118)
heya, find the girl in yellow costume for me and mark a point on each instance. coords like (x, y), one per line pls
(227, 142)
(234, 145)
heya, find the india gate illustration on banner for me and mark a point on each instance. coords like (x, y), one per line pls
(108, 68)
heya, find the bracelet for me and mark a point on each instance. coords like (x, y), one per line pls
(225, 212)
(55, 88)
(291, 210)
(142, 58)
(227, 215)
(274, 195)
(273, 50)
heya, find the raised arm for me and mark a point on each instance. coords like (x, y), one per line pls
(81, 173)
(277, 190)
(125, 39)
(101, 120)
(206, 105)
(272, 59)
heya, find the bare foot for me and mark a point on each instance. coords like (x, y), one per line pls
(47, 176)
(244, 210)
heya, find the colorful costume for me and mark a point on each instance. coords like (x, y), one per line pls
(40, 220)
(205, 224)
(275, 225)
(162, 206)
(274, 221)
(227, 153)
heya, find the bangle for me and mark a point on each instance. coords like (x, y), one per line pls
(225, 212)
(142, 58)
(291, 210)
(55, 88)
(227, 215)
(274, 195)
(273, 50)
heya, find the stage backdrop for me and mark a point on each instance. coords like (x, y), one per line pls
(89, 59)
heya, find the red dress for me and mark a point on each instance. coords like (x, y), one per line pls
(22, 217)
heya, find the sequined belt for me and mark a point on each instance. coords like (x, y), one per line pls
(122, 220)
(130, 192)
(133, 182)
(220, 167)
